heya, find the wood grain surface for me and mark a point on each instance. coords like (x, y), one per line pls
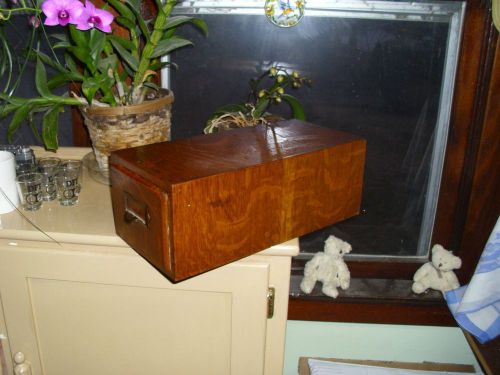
(235, 193)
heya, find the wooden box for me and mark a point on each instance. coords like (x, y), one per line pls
(192, 205)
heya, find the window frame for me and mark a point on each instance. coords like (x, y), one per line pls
(467, 209)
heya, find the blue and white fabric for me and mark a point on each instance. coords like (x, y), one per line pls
(476, 306)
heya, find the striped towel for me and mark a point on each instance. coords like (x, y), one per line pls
(476, 306)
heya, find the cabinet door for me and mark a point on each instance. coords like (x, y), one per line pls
(5, 361)
(77, 312)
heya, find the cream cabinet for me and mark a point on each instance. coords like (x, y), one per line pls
(76, 300)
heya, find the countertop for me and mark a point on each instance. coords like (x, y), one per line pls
(90, 222)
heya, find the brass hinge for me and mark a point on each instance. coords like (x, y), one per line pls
(270, 302)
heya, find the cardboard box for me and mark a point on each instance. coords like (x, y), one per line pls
(423, 366)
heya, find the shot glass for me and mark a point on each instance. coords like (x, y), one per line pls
(68, 182)
(25, 160)
(29, 187)
(48, 167)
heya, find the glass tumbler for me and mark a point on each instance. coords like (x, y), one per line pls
(30, 186)
(48, 167)
(68, 182)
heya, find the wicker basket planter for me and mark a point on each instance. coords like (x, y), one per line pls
(115, 128)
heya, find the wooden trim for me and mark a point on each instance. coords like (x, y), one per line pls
(453, 196)
(468, 202)
(387, 301)
(484, 180)
(486, 354)
(370, 311)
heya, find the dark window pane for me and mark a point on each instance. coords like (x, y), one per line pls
(377, 78)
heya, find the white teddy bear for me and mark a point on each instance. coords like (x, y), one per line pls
(329, 268)
(437, 274)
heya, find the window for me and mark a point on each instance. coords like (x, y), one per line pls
(383, 71)
(456, 184)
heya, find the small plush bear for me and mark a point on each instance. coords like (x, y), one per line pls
(329, 268)
(437, 274)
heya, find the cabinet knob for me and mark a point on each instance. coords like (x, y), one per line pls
(22, 367)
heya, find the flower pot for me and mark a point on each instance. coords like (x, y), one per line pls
(115, 128)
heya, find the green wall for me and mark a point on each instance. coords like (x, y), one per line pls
(374, 341)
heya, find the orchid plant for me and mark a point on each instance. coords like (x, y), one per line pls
(266, 90)
(109, 68)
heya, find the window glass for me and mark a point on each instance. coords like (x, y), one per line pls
(383, 74)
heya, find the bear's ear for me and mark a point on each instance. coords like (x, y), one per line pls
(437, 248)
(457, 262)
(347, 248)
(330, 238)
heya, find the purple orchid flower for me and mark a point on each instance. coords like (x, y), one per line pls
(92, 17)
(61, 12)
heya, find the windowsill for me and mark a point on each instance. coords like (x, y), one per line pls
(384, 301)
(370, 289)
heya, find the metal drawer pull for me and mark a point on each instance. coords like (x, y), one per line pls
(131, 217)
(135, 211)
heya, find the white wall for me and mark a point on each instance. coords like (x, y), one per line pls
(374, 341)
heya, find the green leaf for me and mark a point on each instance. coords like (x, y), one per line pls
(14, 100)
(61, 45)
(50, 127)
(159, 5)
(127, 71)
(201, 25)
(108, 98)
(123, 76)
(6, 109)
(97, 41)
(140, 20)
(135, 3)
(83, 54)
(126, 22)
(89, 88)
(41, 79)
(168, 34)
(34, 129)
(64, 78)
(6, 59)
(108, 62)
(180, 20)
(152, 85)
(127, 44)
(131, 61)
(122, 9)
(298, 111)
(162, 64)
(19, 116)
(79, 37)
(166, 46)
(100, 82)
(231, 108)
(60, 37)
(50, 62)
(70, 63)
(260, 108)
